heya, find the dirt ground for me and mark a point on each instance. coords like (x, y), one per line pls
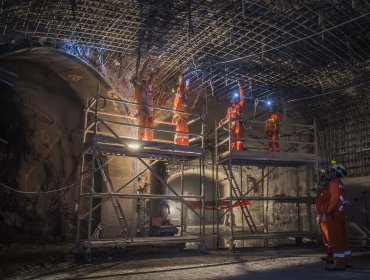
(288, 262)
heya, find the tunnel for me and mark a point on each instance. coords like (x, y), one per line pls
(188, 138)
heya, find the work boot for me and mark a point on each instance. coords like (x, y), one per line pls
(348, 259)
(339, 264)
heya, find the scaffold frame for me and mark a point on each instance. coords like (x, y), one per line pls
(226, 158)
(99, 144)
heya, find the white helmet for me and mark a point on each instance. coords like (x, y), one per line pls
(340, 170)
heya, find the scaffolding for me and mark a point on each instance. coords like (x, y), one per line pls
(101, 139)
(298, 147)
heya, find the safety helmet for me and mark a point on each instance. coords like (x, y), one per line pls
(341, 171)
(235, 98)
(133, 80)
(174, 88)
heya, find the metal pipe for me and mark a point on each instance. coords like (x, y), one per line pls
(149, 196)
(168, 186)
(92, 179)
(182, 204)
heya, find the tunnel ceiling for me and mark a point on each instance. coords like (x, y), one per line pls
(290, 49)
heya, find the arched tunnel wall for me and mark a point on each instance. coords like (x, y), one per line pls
(41, 124)
(269, 216)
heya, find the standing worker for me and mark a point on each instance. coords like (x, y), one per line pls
(165, 211)
(235, 113)
(180, 120)
(322, 201)
(144, 96)
(272, 130)
(334, 216)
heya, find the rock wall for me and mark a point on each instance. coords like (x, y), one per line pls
(42, 122)
(43, 131)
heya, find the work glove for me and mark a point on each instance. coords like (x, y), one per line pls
(187, 83)
(318, 219)
(324, 218)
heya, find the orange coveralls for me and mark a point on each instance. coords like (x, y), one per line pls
(336, 224)
(181, 120)
(236, 127)
(322, 202)
(144, 95)
(272, 131)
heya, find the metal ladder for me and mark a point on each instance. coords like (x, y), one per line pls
(238, 193)
(102, 164)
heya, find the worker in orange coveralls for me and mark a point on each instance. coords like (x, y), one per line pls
(272, 130)
(334, 216)
(181, 103)
(235, 113)
(144, 95)
(322, 201)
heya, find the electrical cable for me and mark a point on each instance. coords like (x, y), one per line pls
(27, 192)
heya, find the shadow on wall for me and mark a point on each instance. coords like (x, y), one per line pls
(358, 207)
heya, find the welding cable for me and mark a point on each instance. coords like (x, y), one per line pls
(46, 192)
(26, 192)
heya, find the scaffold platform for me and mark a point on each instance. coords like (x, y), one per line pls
(109, 132)
(274, 235)
(140, 241)
(111, 145)
(267, 158)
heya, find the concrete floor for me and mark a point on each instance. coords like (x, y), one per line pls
(289, 262)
